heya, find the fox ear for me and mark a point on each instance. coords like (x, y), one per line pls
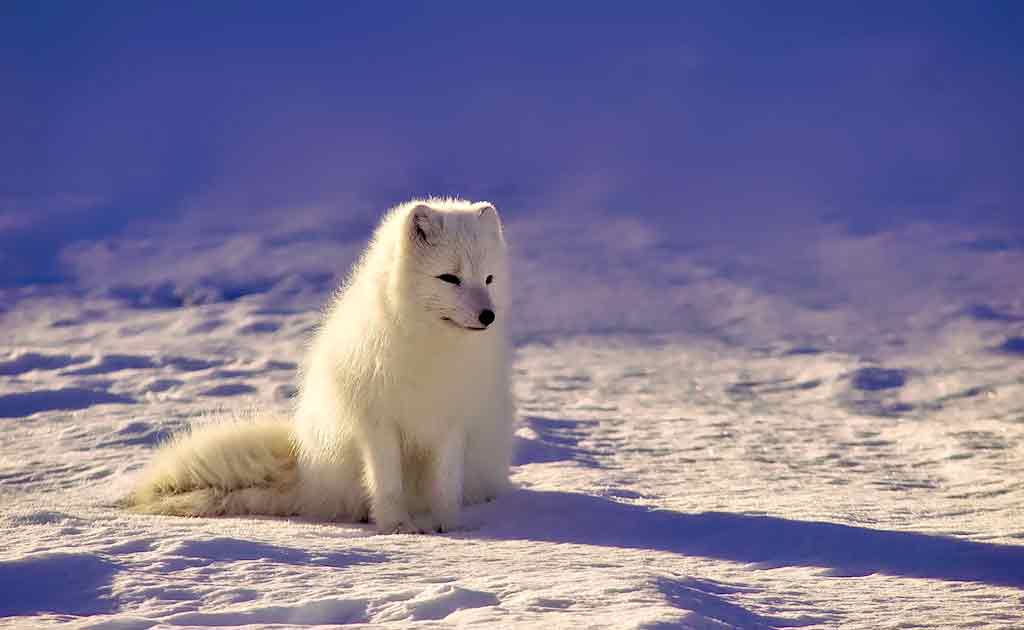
(425, 224)
(489, 214)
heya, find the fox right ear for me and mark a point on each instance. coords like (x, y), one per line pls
(425, 224)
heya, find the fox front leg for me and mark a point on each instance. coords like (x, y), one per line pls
(447, 470)
(382, 455)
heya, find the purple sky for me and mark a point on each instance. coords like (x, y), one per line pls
(714, 121)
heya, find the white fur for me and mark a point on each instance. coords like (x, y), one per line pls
(405, 411)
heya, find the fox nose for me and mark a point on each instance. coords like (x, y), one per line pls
(486, 317)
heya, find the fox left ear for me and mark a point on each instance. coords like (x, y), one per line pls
(489, 214)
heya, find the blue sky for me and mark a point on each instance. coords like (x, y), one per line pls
(713, 119)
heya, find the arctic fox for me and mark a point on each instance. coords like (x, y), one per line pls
(405, 411)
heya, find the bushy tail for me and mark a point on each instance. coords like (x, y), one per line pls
(228, 467)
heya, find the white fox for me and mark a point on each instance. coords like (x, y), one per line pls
(405, 410)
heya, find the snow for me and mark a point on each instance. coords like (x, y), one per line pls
(832, 440)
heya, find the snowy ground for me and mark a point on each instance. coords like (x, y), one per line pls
(700, 447)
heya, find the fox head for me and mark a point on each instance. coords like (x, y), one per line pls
(453, 263)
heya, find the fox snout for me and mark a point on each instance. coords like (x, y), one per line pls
(478, 301)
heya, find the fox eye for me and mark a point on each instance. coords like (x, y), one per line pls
(489, 280)
(449, 278)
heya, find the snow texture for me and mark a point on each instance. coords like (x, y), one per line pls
(834, 441)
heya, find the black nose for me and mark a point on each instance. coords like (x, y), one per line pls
(486, 317)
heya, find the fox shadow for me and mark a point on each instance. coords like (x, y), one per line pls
(769, 542)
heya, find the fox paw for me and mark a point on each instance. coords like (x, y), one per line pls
(447, 524)
(398, 522)
(440, 522)
(483, 493)
(429, 523)
(400, 527)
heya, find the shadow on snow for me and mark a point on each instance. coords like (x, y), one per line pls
(80, 583)
(68, 583)
(763, 540)
(706, 599)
